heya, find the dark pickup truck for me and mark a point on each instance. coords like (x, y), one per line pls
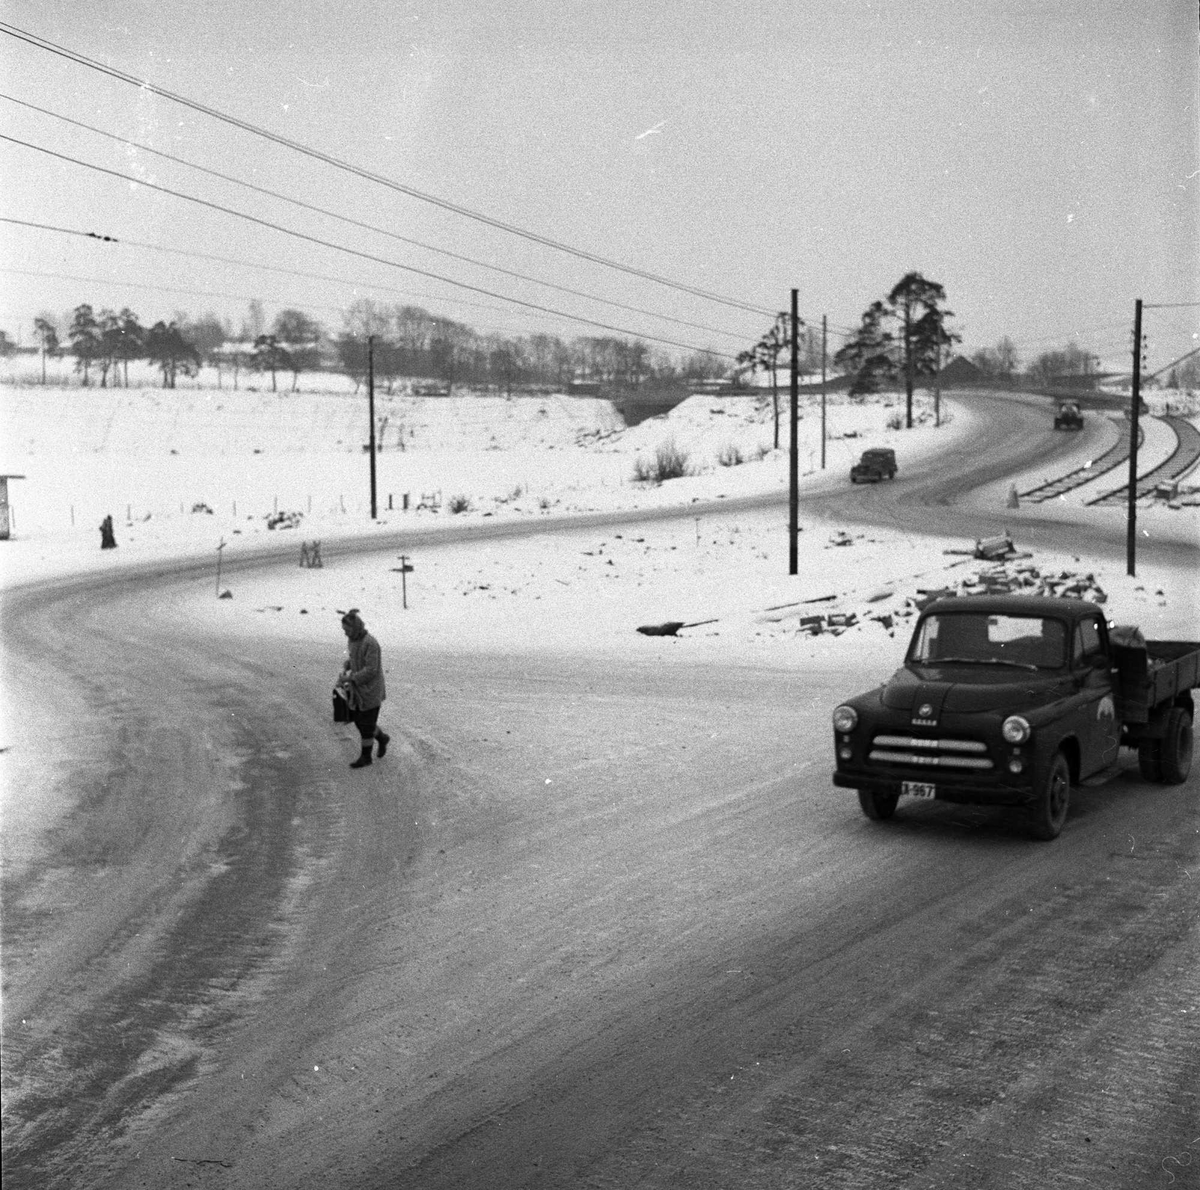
(1009, 700)
(1068, 417)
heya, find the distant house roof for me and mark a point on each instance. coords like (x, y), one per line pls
(960, 370)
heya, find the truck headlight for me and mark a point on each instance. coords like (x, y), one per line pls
(845, 719)
(1015, 729)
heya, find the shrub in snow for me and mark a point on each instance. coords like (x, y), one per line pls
(669, 463)
(730, 456)
(459, 504)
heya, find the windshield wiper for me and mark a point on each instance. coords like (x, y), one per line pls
(981, 661)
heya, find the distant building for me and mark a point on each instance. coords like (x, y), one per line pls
(961, 373)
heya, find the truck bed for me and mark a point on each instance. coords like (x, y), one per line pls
(1150, 676)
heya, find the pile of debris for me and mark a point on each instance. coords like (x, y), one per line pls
(1014, 577)
(1025, 579)
(1008, 572)
(284, 520)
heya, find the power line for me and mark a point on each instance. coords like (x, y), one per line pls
(127, 242)
(348, 282)
(1167, 367)
(356, 252)
(161, 288)
(369, 226)
(399, 187)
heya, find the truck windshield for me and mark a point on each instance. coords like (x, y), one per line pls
(1030, 642)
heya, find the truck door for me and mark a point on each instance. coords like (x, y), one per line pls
(1100, 733)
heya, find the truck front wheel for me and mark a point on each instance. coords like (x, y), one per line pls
(1175, 754)
(877, 806)
(1049, 811)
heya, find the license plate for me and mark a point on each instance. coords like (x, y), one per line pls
(918, 789)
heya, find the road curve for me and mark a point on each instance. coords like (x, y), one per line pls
(588, 925)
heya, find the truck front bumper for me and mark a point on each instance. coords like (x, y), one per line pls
(992, 793)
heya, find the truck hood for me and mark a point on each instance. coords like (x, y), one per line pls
(969, 689)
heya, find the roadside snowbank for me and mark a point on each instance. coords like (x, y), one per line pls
(520, 461)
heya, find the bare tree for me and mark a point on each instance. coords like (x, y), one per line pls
(300, 336)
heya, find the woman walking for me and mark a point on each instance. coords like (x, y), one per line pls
(362, 683)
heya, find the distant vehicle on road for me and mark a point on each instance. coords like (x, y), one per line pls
(875, 464)
(1009, 700)
(1068, 416)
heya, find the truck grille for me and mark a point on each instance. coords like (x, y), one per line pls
(923, 753)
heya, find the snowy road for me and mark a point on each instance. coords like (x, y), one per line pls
(587, 925)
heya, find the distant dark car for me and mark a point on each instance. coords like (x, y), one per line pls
(1068, 417)
(875, 464)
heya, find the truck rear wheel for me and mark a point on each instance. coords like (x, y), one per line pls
(1175, 752)
(877, 806)
(1049, 812)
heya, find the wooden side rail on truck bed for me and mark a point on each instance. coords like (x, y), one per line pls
(1152, 675)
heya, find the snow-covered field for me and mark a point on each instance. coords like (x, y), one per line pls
(183, 472)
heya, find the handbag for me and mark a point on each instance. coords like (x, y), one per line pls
(341, 708)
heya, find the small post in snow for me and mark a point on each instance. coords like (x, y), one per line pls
(220, 547)
(405, 569)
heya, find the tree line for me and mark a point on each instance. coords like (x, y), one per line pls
(407, 342)
(903, 338)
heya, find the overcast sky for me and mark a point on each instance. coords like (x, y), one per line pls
(1038, 158)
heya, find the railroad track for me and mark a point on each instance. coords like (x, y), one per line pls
(1116, 454)
(1180, 461)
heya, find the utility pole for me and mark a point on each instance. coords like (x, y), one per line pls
(794, 460)
(824, 346)
(371, 413)
(937, 383)
(908, 368)
(1131, 520)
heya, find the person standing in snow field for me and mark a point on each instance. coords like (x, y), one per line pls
(362, 683)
